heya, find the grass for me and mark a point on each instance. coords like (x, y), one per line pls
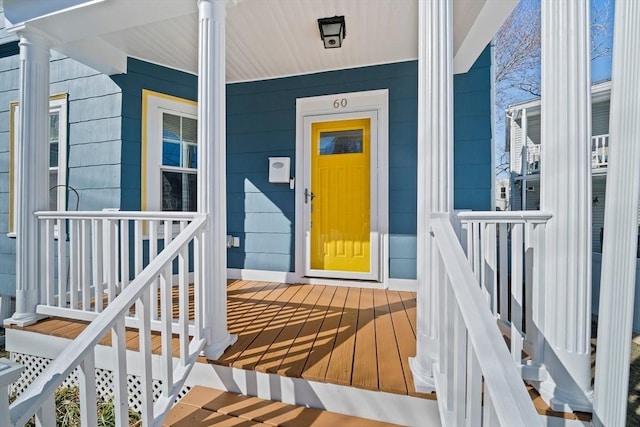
(68, 410)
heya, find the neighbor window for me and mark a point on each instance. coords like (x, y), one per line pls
(57, 157)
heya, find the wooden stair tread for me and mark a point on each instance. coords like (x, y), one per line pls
(204, 406)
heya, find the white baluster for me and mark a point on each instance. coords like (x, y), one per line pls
(120, 399)
(529, 251)
(46, 415)
(166, 332)
(503, 238)
(516, 291)
(49, 259)
(88, 395)
(153, 252)
(143, 311)
(62, 263)
(459, 365)
(183, 299)
(197, 284)
(85, 266)
(124, 253)
(97, 262)
(474, 388)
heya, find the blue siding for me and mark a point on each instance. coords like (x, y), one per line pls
(105, 158)
(261, 121)
(473, 173)
(94, 108)
(143, 75)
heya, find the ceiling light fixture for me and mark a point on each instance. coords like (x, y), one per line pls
(332, 31)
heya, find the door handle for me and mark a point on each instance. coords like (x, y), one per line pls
(308, 196)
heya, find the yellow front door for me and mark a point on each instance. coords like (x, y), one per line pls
(340, 195)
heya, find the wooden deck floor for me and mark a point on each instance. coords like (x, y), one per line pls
(348, 336)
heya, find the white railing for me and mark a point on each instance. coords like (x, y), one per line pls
(90, 257)
(476, 381)
(533, 158)
(505, 251)
(136, 299)
(600, 151)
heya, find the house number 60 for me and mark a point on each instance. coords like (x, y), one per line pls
(340, 103)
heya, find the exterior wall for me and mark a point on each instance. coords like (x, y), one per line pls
(597, 210)
(600, 118)
(8, 93)
(261, 120)
(532, 187)
(473, 173)
(142, 75)
(95, 105)
(599, 126)
(595, 301)
(502, 203)
(533, 137)
(94, 110)
(105, 159)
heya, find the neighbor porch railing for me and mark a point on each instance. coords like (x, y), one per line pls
(89, 258)
(150, 295)
(600, 151)
(599, 154)
(475, 378)
(505, 252)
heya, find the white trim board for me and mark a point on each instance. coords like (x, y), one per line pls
(410, 285)
(374, 405)
(381, 406)
(341, 104)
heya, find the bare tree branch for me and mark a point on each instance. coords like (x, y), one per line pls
(517, 58)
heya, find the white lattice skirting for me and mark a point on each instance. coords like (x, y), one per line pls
(34, 365)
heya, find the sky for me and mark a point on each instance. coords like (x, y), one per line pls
(601, 67)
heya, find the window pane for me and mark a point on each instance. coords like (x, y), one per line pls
(179, 136)
(170, 127)
(170, 153)
(341, 142)
(179, 191)
(189, 130)
(190, 159)
(53, 190)
(54, 136)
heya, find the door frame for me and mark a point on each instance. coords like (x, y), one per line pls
(339, 106)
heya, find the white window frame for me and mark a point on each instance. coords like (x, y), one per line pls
(154, 104)
(57, 104)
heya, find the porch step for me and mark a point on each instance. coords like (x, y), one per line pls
(206, 406)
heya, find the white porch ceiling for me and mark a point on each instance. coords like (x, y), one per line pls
(265, 38)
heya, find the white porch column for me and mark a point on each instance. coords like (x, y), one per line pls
(566, 192)
(32, 174)
(435, 172)
(212, 179)
(617, 281)
(524, 161)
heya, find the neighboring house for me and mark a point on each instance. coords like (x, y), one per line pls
(525, 175)
(153, 149)
(503, 192)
